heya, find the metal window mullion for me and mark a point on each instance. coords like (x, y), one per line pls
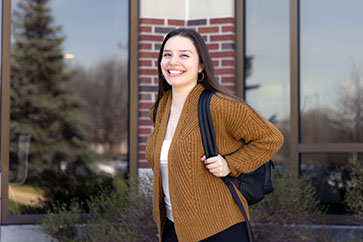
(240, 47)
(330, 148)
(294, 86)
(133, 86)
(5, 106)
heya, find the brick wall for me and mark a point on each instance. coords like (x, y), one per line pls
(219, 36)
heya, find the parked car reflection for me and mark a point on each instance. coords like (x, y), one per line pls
(112, 168)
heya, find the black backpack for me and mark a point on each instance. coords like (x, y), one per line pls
(254, 185)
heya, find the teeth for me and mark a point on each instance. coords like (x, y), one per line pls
(174, 72)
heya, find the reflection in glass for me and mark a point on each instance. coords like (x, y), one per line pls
(267, 64)
(330, 173)
(69, 99)
(331, 71)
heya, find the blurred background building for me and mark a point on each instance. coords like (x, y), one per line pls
(78, 78)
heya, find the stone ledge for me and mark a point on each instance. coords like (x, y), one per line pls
(28, 233)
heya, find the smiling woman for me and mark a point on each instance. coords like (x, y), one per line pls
(190, 183)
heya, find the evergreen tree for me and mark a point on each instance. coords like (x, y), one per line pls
(44, 110)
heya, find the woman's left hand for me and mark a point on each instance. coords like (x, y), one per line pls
(216, 165)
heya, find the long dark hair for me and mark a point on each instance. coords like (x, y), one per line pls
(209, 80)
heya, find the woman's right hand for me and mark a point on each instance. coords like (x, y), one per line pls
(216, 165)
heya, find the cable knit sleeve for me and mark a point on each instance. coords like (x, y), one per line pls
(258, 138)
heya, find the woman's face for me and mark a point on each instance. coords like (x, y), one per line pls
(180, 62)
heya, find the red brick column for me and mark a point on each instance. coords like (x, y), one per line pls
(219, 36)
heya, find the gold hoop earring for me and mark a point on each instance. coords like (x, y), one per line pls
(201, 79)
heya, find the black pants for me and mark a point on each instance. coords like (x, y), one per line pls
(235, 233)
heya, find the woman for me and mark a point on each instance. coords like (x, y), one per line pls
(191, 202)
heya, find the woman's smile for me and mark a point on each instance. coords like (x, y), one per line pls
(175, 72)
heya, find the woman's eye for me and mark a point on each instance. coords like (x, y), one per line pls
(166, 54)
(184, 55)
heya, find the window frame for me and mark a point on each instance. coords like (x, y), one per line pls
(6, 218)
(5, 104)
(296, 146)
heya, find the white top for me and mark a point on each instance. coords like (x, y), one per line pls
(164, 177)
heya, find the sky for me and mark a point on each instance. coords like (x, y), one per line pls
(95, 30)
(267, 41)
(331, 43)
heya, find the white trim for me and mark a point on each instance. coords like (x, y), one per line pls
(187, 10)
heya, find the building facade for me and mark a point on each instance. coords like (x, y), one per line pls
(298, 63)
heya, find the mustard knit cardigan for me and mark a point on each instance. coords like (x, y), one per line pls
(201, 203)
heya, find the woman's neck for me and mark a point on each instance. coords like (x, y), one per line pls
(180, 95)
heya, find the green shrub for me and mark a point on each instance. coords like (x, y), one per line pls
(124, 213)
(61, 222)
(354, 194)
(121, 213)
(279, 216)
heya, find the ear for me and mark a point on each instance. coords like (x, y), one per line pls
(201, 68)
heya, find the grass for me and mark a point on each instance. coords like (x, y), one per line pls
(27, 188)
(22, 196)
(13, 207)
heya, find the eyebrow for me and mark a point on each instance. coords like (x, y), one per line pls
(179, 50)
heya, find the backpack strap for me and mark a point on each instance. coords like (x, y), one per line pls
(205, 124)
(210, 147)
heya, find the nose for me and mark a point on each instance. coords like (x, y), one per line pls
(174, 60)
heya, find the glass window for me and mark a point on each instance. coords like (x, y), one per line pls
(267, 64)
(331, 82)
(330, 174)
(69, 101)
